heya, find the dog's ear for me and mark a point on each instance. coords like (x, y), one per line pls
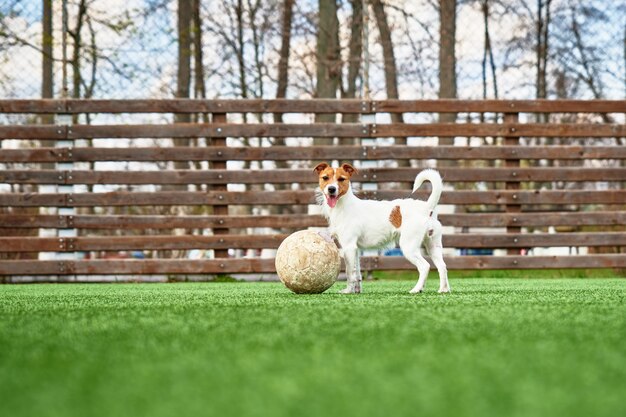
(349, 169)
(320, 167)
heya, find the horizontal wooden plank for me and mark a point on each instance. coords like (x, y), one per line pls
(33, 132)
(499, 130)
(324, 130)
(184, 106)
(181, 130)
(217, 198)
(289, 176)
(272, 241)
(501, 106)
(316, 153)
(311, 106)
(117, 243)
(160, 222)
(33, 106)
(187, 130)
(535, 219)
(258, 265)
(115, 222)
(533, 240)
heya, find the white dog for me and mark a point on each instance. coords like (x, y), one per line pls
(359, 224)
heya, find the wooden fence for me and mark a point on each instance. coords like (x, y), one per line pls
(513, 185)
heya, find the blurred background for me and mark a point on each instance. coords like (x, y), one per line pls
(470, 49)
(246, 49)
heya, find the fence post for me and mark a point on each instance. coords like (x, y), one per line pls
(512, 185)
(219, 210)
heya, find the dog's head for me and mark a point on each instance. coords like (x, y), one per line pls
(334, 182)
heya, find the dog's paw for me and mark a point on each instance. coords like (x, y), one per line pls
(445, 290)
(416, 290)
(351, 289)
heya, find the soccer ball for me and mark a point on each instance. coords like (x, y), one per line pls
(308, 262)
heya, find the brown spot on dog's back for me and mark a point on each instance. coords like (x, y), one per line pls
(396, 217)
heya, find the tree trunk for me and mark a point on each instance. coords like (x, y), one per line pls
(488, 54)
(243, 85)
(257, 40)
(447, 63)
(355, 50)
(285, 48)
(199, 86)
(77, 50)
(47, 76)
(391, 71)
(543, 26)
(283, 61)
(47, 84)
(328, 61)
(183, 76)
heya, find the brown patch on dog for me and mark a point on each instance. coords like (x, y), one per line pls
(396, 217)
(320, 167)
(340, 176)
(325, 173)
(348, 169)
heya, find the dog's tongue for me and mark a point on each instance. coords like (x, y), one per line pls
(331, 200)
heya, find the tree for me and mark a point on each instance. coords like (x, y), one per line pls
(47, 69)
(47, 76)
(389, 64)
(183, 74)
(198, 56)
(328, 60)
(488, 53)
(447, 60)
(283, 61)
(355, 50)
(542, 50)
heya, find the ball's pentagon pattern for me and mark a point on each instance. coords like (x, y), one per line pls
(308, 262)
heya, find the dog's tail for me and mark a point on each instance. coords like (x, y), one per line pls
(437, 184)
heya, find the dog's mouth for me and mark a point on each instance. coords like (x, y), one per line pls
(332, 199)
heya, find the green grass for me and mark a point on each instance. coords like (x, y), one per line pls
(494, 347)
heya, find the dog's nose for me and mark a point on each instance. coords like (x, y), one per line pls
(332, 189)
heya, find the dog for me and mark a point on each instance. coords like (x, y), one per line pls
(365, 224)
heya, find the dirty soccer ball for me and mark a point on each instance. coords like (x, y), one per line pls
(308, 262)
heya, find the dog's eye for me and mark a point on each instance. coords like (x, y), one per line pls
(341, 179)
(325, 177)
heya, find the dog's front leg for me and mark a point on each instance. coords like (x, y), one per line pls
(351, 258)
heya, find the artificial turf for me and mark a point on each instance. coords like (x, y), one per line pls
(494, 347)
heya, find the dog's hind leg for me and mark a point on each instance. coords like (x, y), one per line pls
(434, 248)
(411, 250)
